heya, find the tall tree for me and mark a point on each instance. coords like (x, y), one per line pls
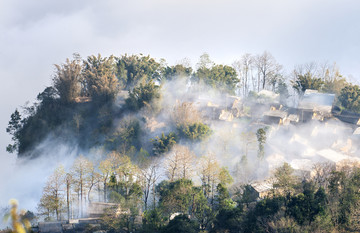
(350, 97)
(150, 173)
(175, 196)
(125, 137)
(68, 183)
(267, 68)
(14, 127)
(80, 173)
(177, 71)
(244, 68)
(285, 180)
(261, 138)
(205, 62)
(307, 81)
(135, 69)
(220, 77)
(142, 96)
(209, 171)
(180, 163)
(106, 169)
(164, 143)
(100, 81)
(52, 197)
(93, 179)
(67, 79)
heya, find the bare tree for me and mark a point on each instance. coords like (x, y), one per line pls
(68, 183)
(310, 68)
(114, 164)
(93, 179)
(180, 163)
(322, 173)
(267, 68)
(106, 169)
(127, 172)
(209, 172)
(149, 175)
(244, 70)
(185, 114)
(80, 173)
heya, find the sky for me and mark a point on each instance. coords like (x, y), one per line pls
(36, 34)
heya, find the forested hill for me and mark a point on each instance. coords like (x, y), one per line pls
(89, 98)
(195, 143)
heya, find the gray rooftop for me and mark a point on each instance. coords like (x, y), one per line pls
(312, 99)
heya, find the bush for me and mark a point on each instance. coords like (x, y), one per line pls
(196, 131)
(164, 143)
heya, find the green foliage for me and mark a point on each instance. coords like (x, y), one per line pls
(134, 69)
(350, 97)
(344, 197)
(152, 221)
(175, 196)
(172, 72)
(67, 80)
(181, 196)
(268, 206)
(261, 138)
(282, 89)
(164, 143)
(42, 120)
(142, 96)
(127, 193)
(229, 220)
(201, 209)
(100, 82)
(13, 129)
(307, 81)
(47, 97)
(223, 199)
(223, 78)
(285, 180)
(305, 206)
(181, 224)
(126, 136)
(224, 176)
(196, 131)
(248, 195)
(334, 86)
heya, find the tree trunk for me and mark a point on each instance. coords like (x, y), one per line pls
(81, 198)
(67, 198)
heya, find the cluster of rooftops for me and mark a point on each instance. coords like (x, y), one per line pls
(316, 113)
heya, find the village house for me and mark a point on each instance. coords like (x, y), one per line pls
(315, 106)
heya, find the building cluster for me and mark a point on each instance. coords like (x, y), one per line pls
(312, 132)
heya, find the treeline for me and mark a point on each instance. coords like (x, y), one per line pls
(82, 102)
(197, 195)
(84, 99)
(140, 187)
